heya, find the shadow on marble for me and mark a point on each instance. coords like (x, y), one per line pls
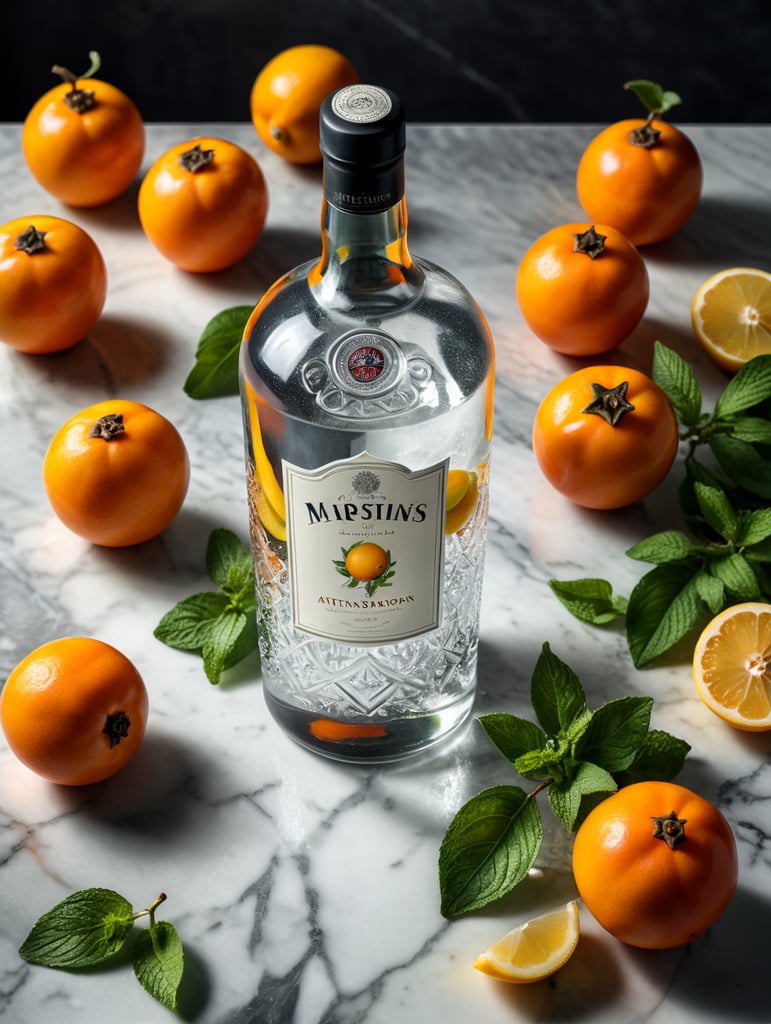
(194, 990)
(144, 795)
(120, 351)
(729, 980)
(719, 234)
(119, 215)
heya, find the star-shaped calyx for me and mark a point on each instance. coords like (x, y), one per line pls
(610, 403)
(589, 242)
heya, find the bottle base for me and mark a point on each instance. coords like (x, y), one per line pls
(369, 742)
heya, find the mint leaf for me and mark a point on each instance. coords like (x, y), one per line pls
(663, 607)
(659, 758)
(751, 429)
(223, 637)
(735, 572)
(655, 99)
(555, 692)
(750, 386)
(615, 733)
(229, 564)
(489, 848)
(159, 961)
(566, 798)
(669, 546)
(215, 373)
(221, 626)
(677, 380)
(753, 527)
(82, 930)
(540, 764)
(717, 510)
(711, 590)
(511, 735)
(188, 624)
(743, 463)
(590, 600)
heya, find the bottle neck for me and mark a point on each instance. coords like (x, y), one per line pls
(365, 260)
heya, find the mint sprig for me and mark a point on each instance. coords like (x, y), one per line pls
(725, 557)
(215, 371)
(576, 755)
(219, 625)
(90, 926)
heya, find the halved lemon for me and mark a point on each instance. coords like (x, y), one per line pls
(732, 666)
(731, 316)
(534, 950)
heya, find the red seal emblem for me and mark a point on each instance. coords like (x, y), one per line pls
(366, 363)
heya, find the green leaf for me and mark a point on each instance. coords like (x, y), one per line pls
(655, 99)
(736, 573)
(754, 527)
(717, 510)
(677, 380)
(541, 764)
(663, 607)
(222, 625)
(229, 564)
(742, 462)
(511, 735)
(660, 757)
(189, 623)
(215, 373)
(668, 546)
(84, 929)
(555, 692)
(752, 429)
(222, 639)
(565, 798)
(489, 848)
(615, 733)
(711, 590)
(750, 386)
(159, 962)
(590, 600)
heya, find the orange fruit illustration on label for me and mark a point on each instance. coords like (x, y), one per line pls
(366, 561)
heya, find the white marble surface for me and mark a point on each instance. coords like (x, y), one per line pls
(306, 891)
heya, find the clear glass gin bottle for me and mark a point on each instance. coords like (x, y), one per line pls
(367, 391)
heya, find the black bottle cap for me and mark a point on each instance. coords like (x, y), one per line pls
(363, 136)
(362, 124)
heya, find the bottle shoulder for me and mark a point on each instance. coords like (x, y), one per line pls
(367, 361)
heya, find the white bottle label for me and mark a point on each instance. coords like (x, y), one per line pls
(366, 549)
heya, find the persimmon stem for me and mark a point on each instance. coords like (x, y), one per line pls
(609, 403)
(108, 427)
(670, 828)
(30, 241)
(79, 100)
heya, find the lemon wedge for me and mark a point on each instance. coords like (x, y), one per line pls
(534, 950)
(732, 666)
(731, 316)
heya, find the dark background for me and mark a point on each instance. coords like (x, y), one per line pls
(552, 61)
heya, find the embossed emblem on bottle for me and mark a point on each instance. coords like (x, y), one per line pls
(367, 373)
